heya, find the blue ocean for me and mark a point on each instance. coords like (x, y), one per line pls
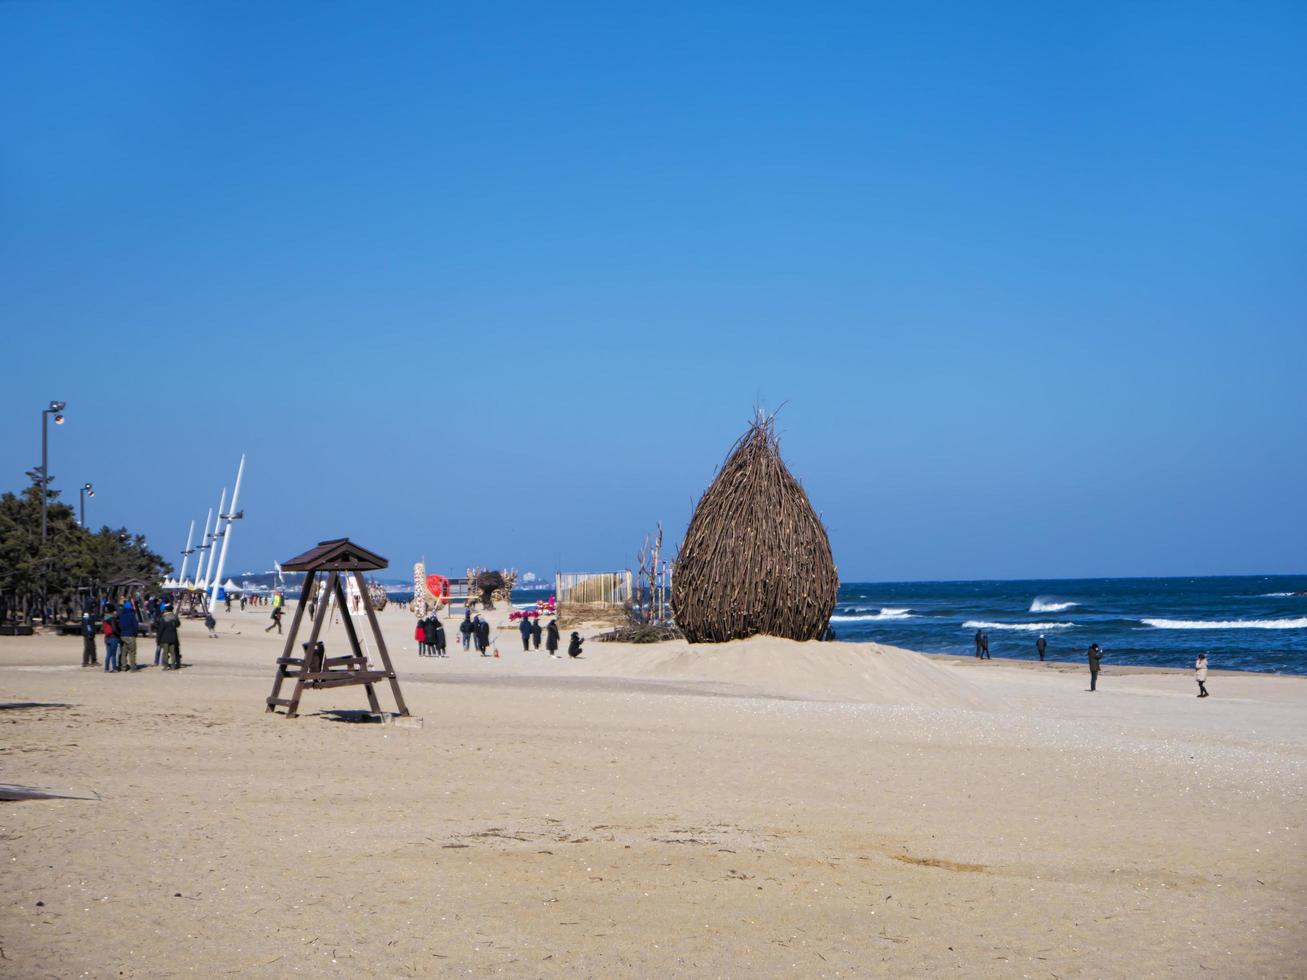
(1246, 623)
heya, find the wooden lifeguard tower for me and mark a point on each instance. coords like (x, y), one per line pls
(333, 560)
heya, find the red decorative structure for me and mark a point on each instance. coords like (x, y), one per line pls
(332, 559)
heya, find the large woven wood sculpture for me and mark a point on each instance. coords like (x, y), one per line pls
(756, 558)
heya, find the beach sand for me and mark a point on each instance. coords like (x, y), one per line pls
(758, 809)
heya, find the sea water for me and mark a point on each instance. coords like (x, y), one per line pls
(1246, 623)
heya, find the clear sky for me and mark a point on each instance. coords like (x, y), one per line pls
(501, 283)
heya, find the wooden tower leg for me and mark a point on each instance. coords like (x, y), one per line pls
(311, 660)
(381, 644)
(355, 645)
(287, 657)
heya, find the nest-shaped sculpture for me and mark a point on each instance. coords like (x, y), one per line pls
(756, 558)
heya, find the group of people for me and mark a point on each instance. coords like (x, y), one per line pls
(475, 630)
(122, 627)
(430, 634)
(1095, 657)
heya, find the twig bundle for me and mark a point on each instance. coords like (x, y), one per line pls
(756, 558)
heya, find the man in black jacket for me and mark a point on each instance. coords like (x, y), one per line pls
(1095, 655)
(169, 640)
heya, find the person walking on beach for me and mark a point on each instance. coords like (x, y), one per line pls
(979, 635)
(110, 629)
(169, 640)
(1095, 655)
(1200, 674)
(88, 641)
(551, 638)
(211, 625)
(984, 646)
(483, 636)
(242, 603)
(129, 628)
(465, 628)
(1040, 646)
(276, 620)
(535, 633)
(524, 627)
(574, 648)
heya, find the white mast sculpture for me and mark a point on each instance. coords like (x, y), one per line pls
(213, 541)
(202, 548)
(186, 554)
(225, 533)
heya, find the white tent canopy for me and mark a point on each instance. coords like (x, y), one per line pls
(231, 586)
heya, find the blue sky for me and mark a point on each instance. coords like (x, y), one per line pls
(501, 283)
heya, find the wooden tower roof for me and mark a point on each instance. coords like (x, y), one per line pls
(336, 555)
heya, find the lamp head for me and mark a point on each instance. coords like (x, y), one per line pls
(87, 486)
(58, 420)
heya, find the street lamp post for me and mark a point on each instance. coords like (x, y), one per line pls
(56, 409)
(85, 492)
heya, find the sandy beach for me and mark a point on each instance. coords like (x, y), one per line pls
(761, 808)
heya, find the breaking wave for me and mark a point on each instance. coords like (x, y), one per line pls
(1227, 624)
(861, 616)
(1048, 605)
(977, 624)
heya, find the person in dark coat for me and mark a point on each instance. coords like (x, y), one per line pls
(979, 634)
(439, 639)
(984, 646)
(1095, 655)
(129, 627)
(551, 638)
(483, 636)
(574, 648)
(88, 641)
(169, 639)
(1041, 645)
(429, 627)
(277, 613)
(535, 633)
(524, 627)
(465, 628)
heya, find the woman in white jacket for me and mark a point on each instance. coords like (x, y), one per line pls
(1200, 674)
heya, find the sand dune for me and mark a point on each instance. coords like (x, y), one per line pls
(865, 673)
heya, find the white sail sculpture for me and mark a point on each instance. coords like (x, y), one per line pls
(231, 517)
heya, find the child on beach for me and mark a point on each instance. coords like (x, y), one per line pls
(211, 625)
(1200, 674)
(574, 648)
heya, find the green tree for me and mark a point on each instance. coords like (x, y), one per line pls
(72, 561)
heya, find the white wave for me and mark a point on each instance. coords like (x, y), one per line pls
(1227, 624)
(880, 616)
(1278, 595)
(976, 624)
(1043, 605)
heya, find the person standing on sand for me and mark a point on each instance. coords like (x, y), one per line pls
(128, 629)
(88, 641)
(276, 619)
(524, 627)
(110, 629)
(1095, 655)
(211, 625)
(242, 603)
(169, 640)
(979, 635)
(1200, 674)
(1040, 646)
(551, 638)
(483, 637)
(440, 637)
(465, 628)
(984, 646)
(535, 633)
